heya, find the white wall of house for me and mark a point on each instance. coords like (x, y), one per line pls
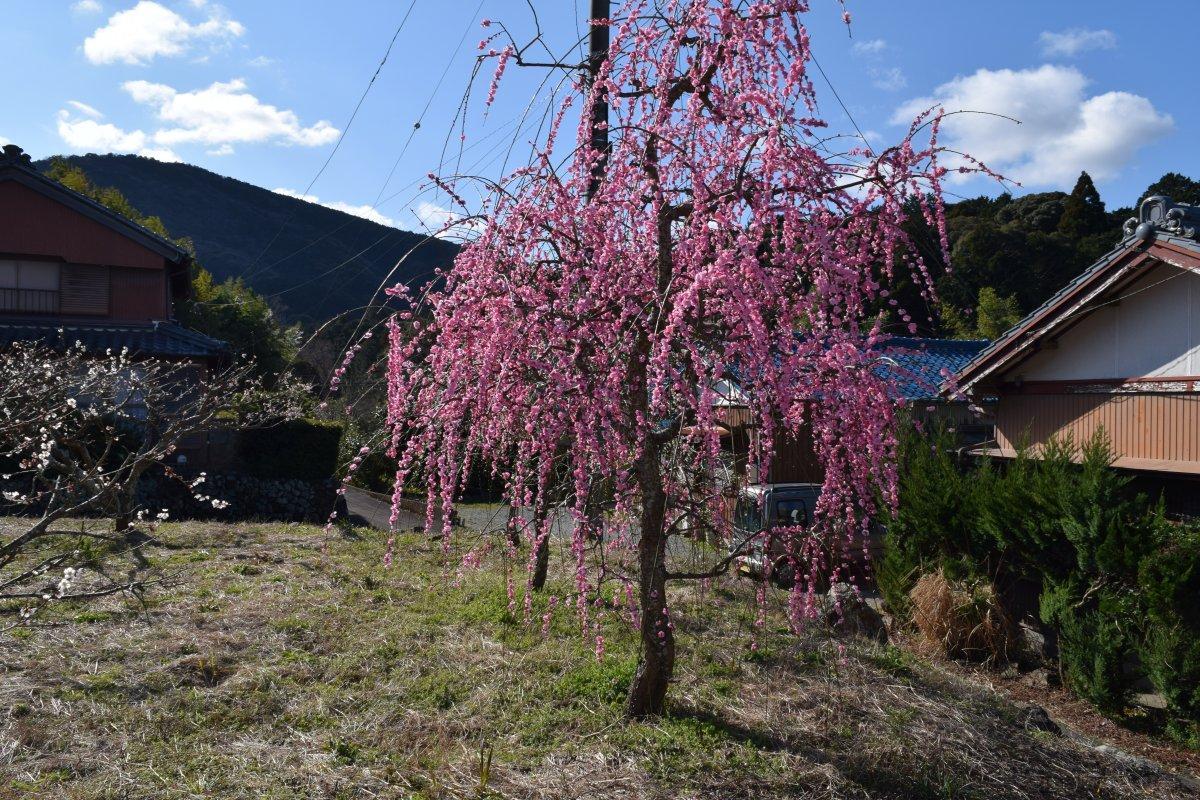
(1154, 332)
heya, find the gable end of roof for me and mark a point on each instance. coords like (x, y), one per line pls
(16, 165)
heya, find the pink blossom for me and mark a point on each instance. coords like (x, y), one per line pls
(574, 343)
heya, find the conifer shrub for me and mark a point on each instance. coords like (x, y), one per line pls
(1119, 583)
(1169, 583)
(1094, 645)
(935, 527)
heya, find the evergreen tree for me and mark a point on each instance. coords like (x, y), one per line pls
(995, 314)
(235, 313)
(1179, 188)
(1083, 210)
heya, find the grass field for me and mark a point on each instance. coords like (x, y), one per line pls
(274, 666)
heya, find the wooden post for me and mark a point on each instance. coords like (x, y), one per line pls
(598, 38)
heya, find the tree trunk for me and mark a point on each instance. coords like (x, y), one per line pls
(542, 563)
(514, 530)
(122, 513)
(648, 691)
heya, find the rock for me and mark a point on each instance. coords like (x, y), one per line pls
(1035, 718)
(1138, 764)
(1150, 700)
(1043, 678)
(1032, 643)
(849, 614)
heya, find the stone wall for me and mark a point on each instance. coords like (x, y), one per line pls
(248, 497)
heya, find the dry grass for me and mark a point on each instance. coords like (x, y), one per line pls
(961, 621)
(274, 669)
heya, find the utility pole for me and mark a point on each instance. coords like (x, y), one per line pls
(598, 37)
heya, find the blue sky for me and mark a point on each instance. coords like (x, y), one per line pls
(261, 90)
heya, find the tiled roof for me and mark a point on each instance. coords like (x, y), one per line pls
(155, 339)
(918, 367)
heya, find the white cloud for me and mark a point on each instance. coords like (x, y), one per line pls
(90, 136)
(364, 211)
(871, 47)
(890, 80)
(148, 30)
(224, 113)
(223, 150)
(4, 141)
(85, 109)
(160, 153)
(433, 218)
(87, 7)
(261, 61)
(1062, 130)
(1075, 41)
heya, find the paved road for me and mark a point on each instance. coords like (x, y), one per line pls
(372, 510)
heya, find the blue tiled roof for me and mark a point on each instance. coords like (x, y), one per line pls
(918, 367)
(150, 340)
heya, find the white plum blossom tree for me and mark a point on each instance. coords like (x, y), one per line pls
(78, 430)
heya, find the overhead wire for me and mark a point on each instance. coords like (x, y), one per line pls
(251, 271)
(429, 102)
(337, 145)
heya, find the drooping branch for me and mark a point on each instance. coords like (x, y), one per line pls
(724, 244)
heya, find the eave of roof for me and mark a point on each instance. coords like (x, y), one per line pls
(160, 339)
(16, 166)
(1150, 242)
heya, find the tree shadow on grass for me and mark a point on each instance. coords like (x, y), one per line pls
(759, 739)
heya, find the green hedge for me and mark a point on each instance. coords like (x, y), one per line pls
(306, 449)
(1120, 584)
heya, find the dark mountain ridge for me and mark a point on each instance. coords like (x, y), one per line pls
(309, 261)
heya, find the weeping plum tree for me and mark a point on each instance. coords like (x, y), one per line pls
(584, 328)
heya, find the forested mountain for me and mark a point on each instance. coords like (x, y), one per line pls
(1010, 254)
(309, 261)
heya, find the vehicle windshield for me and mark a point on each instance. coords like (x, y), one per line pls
(786, 511)
(790, 512)
(747, 515)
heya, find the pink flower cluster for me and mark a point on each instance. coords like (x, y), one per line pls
(588, 321)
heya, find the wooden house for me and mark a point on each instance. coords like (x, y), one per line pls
(72, 271)
(1117, 349)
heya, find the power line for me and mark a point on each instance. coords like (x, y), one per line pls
(341, 137)
(838, 97)
(404, 149)
(366, 91)
(483, 160)
(429, 102)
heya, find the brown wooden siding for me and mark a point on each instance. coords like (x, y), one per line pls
(1161, 430)
(138, 295)
(35, 225)
(794, 459)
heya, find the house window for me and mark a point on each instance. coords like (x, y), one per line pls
(29, 287)
(84, 291)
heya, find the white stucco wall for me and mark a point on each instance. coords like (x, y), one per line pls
(1153, 332)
